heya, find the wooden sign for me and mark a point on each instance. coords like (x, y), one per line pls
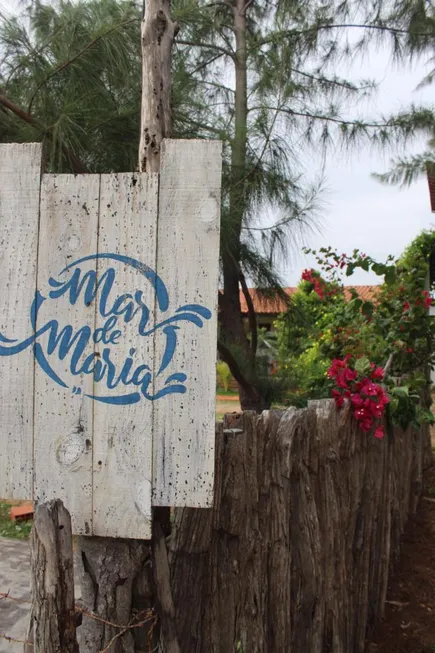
(108, 321)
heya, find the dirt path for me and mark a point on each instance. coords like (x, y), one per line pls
(409, 624)
(15, 579)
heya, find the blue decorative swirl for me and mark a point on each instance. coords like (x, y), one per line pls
(66, 341)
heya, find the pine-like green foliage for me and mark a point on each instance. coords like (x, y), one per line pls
(412, 34)
(75, 67)
(295, 103)
(72, 72)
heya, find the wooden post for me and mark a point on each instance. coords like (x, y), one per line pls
(158, 31)
(162, 582)
(52, 626)
(157, 35)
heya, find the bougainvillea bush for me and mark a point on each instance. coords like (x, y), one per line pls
(362, 387)
(377, 354)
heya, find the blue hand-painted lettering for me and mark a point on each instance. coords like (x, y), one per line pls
(125, 383)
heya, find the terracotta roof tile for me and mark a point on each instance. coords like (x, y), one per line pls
(274, 305)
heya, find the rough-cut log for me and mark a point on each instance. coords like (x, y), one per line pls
(295, 554)
(52, 625)
(116, 575)
(162, 583)
(158, 31)
(113, 575)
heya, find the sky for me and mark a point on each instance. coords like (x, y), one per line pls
(358, 211)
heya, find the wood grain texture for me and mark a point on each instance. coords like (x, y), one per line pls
(53, 617)
(20, 171)
(187, 260)
(105, 448)
(123, 434)
(63, 420)
(157, 36)
(307, 519)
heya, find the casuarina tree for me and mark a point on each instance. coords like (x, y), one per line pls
(259, 75)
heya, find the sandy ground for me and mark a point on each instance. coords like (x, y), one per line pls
(15, 580)
(409, 623)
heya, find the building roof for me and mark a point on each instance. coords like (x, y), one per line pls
(273, 305)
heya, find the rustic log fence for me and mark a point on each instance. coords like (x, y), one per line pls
(294, 556)
(307, 517)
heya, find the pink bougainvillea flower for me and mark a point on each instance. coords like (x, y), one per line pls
(367, 397)
(377, 409)
(319, 285)
(338, 398)
(377, 374)
(379, 432)
(341, 380)
(365, 425)
(357, 400)
(350, 375)
(406, 307)
(370, 389)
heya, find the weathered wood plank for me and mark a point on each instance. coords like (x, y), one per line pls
(63, 413)
(20, 172)
(123, 433)
(187, 261)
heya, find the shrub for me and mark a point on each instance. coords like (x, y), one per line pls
(223, 375)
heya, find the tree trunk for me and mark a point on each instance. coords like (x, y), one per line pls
(162, 582)
(158, 31)
(52, 622)
(117, 575)
(116, 586)
(230, 316)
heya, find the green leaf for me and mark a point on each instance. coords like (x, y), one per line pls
(362, 365)
(355, 304)
(401, 391)
(367, 309)
(390, 274)
(394, 404)
(379, 268)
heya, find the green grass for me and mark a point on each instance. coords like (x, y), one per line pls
(19, 530)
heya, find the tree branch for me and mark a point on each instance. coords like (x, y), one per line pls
(235, 368)
(209, 46)
(315, 116)
(77, 165)
(65, 64)
(248, 3)
(221, 87)
(204, 64)
(318, 28)
(332, 82)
